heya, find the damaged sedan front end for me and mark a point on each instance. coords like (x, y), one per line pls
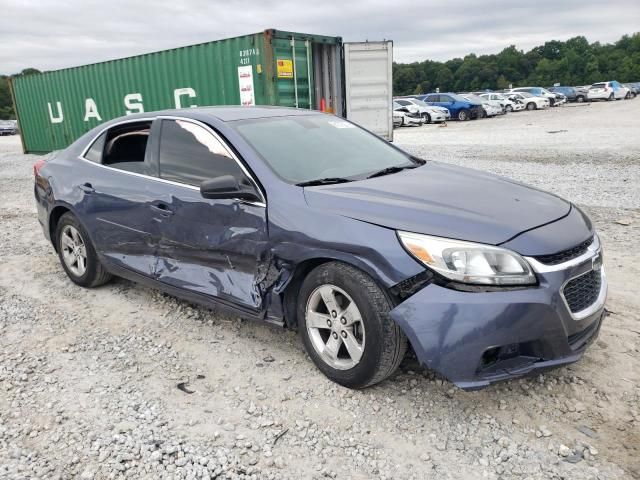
(305, 220)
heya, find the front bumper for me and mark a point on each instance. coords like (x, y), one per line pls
(413, 120)
(477, 338)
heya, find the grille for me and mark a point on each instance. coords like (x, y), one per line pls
(565, 255)
(582, 291)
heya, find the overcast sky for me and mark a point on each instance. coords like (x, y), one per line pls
(55, 34)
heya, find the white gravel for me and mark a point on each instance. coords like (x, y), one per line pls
(88, 378)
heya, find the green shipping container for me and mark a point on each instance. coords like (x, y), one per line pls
(268, 68)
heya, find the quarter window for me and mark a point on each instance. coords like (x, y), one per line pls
(94, 154)
(191, 154)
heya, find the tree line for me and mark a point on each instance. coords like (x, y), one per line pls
(574, 62)
(6, 104)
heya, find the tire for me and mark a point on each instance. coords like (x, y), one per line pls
(610, 98)
(627, 96)
(552, 102)
(463, 115)
(531, 106)
(382, 343)
(508, 109)
(93, 274)
(580, 99)
(427, 117)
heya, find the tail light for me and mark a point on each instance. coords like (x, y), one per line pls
(37, 167)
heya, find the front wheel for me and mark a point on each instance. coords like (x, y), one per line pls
(508, 109)
(463, 115)
(426, 117)
(610, 98)
(344, 322)
(580, 99)
(531, 106)
(77, 254)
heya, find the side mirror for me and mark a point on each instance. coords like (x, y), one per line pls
(228, 187)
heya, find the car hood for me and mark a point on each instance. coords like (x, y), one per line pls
(442, 200)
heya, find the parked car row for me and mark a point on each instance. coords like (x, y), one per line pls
(8, 127)
(416, 110)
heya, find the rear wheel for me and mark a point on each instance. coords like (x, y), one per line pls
(426, 117)
(345, 326)
(610, 98)
(77, 254)
(463, 115)
(531, 106)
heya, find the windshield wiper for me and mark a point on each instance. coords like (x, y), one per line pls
(323, 181)
(394, 169)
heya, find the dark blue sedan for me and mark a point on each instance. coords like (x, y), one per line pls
(307, 221)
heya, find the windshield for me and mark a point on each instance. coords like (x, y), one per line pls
(302, 148)
(456, 97)
(525, 94)
(474, 98)
(420, 103)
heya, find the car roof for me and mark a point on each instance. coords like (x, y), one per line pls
(228, 113)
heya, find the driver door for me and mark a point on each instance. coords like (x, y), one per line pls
(210, 247)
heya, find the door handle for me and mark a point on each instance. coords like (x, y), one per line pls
(162, 209)
(87, 188)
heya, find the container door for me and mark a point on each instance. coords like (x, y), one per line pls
(294, 74)
(368, 85)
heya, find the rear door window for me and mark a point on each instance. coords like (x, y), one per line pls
(125, 147)
(191, 154)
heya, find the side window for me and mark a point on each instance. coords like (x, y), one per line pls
(403, 102)
(445, 98)
(432, 98)
(94, 154)
(125, 147)
(190, 154)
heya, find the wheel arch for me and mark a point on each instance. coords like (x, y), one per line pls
(289, 293)
(54, 217)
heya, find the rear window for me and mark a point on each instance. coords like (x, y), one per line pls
(599, 85)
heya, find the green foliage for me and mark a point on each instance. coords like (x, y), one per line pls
(574, 62)
(6, 104)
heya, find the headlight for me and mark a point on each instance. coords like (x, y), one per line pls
(468, 262)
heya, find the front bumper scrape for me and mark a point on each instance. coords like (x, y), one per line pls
(477, 338)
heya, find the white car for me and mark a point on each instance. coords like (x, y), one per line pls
(530, 102)
(538, 92)
(607, 91)
(410, 115)
(491, 109)
(430, 113)
(507, 104)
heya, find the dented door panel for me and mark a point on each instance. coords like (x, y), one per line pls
(212, 247)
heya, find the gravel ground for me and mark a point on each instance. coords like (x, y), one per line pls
(89, 378)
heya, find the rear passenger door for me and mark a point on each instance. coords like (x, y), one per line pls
(119, 185)
(210, 247)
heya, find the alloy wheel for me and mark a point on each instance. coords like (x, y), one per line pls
(74, 250)
(335, 326)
